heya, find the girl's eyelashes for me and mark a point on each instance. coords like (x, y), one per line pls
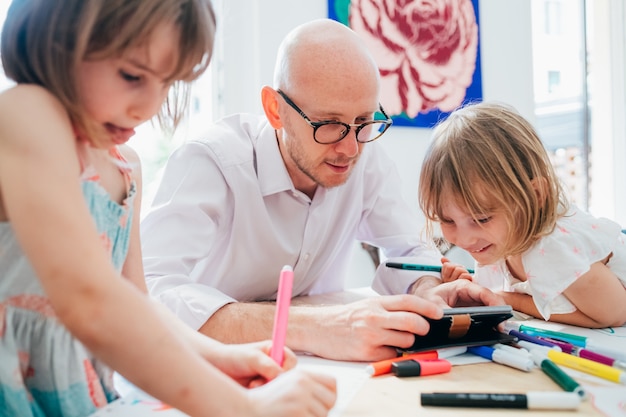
(129, 77)
(483, 219)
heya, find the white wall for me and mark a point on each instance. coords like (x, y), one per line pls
(250, 50)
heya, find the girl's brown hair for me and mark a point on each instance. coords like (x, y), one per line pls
(490, 159)
(43, 41)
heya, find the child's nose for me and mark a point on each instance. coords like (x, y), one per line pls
(147, 104)
(465, 239)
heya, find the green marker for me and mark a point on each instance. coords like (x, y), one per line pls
(418, 267)
(561, 378)
(576, 340)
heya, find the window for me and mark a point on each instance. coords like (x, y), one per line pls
(552, 17)
(554, 81)
(153, 147)
(560, 79)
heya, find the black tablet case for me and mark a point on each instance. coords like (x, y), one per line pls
(465, 326)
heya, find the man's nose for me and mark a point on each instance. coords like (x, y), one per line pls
(348, 146)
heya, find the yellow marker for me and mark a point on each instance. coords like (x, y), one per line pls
(587, 366)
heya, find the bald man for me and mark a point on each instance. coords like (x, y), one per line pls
(296, 187)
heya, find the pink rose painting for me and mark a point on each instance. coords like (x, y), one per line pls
(427, 52)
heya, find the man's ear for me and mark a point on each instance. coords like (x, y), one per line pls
(540, 185)
(269, 99)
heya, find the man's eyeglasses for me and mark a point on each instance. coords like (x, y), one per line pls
(329, 132)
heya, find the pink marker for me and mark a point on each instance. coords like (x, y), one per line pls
(283, 300)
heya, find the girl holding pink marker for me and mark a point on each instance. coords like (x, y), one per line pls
(73, 299)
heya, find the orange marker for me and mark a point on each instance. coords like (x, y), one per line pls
(384, 367)
(420, 367)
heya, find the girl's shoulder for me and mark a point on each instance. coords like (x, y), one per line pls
(580, 235)
(30, 108)
(581, 223)
(27, 94)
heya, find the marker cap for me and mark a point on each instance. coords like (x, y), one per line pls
(384, 367)
(413, 367)
(537, 351)
(548, 400)
(514, 360)
(606, 350)
(511, 349)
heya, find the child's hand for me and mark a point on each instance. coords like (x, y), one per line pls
(296, 393)
(451, 271)
(250, 364)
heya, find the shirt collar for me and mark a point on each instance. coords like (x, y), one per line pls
(271, 170)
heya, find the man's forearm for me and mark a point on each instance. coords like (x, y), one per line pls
(252, 322)
(240, 323)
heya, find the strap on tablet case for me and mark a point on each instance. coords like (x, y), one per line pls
(460, 325)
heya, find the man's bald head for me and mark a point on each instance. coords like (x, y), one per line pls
(320, 53)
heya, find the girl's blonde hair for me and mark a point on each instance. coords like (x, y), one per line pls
(489, 159)
(44, 41)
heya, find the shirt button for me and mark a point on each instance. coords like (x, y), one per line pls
(306, 256)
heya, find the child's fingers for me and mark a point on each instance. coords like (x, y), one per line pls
(327, 393)
(452, 272)
(328, 380)
(257, 382)
(447, 279)
(268, 369)
(290, 359)
(466, 275)
(449, 272)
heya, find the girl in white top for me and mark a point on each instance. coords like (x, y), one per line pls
(489, 183)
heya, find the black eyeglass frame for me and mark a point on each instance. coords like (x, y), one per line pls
(357, 127)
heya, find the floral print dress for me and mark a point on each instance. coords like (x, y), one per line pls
(44, 370)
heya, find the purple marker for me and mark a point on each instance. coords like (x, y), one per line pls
(565, 346)
(531, 339)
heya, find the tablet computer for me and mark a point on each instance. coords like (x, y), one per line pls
(465, 326)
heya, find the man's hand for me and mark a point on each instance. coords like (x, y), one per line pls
(370, 329)
(461, 293)
(366, 330)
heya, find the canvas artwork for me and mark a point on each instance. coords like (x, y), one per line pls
(427, 51)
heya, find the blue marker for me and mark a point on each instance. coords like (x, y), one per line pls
(504, 357)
